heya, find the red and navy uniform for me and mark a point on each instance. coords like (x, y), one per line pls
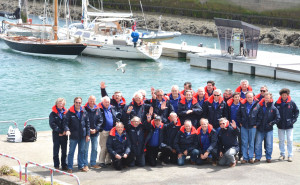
(174, 102)
(213, 111)
(228, 138)
(56, 122)
(184, 106)
(239, 89)
(267, 116)
(117, 106)
(201, 102)
(247, 117)
(77, 123)
(213, 139)
(95, 118)
(182, 93)
(184, 141)
(102, 111)
(289, 113)
(139, 110)
(232, 110)
(164, 114)
(206, 91)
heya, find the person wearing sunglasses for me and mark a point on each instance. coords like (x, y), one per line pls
(261, 95)
(228, 142)
(215, 108)
(161, 105)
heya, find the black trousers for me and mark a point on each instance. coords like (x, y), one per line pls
(151, 155)
(119, 164)
(167, 156)
(59, 142)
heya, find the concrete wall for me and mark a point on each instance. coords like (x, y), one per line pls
(263, 5)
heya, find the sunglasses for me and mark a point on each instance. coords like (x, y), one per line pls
(78, 102)
(216, 95)
(222, 123)
(262, 91)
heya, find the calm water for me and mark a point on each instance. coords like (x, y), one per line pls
(30, 85)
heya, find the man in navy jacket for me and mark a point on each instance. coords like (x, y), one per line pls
(118, 146)
(289, 113)
(59, 138)
(77, 126)
(268, 116)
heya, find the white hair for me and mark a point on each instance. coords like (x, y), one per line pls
(173, 113)
(175, 87)
(204, 120)
(142, 91)
(159, 90)
(105, 98)
(139, 94)
(242, 81)
(188, 122)
(218, 91)
(201, 88)
(119, 124)
(92, 97)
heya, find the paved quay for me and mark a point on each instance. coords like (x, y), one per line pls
(277, 172)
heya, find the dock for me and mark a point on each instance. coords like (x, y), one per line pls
(267, 64)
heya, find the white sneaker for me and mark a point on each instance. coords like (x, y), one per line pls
(290, 159)
(281, 158)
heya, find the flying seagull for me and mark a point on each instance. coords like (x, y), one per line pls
(121, 66)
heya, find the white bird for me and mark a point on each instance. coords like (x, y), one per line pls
(121, 66)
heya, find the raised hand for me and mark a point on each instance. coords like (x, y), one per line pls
(163, 105)
(102, 85)
(233, 124)
(151, 111)
(129, 109)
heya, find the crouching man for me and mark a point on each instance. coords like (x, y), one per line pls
(118, 146)
(186, 143)
(228, 142)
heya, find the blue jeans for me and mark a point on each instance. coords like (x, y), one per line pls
(94, 152)
(194, 154)
(248, 136)
(81, 153)
(260, 136)
(281, 137)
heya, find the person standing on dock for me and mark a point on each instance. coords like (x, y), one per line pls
(243, 88)
(210, 87)
(117, 100)
(109, 121)
(215, 108)
(189, 109)
(174, 97)
(77, 126)
(247, 118)
(268, 116)
(201, 96)
(233, 105)
(227, 94)
(59, 138)
(96, 121)
(289, 113)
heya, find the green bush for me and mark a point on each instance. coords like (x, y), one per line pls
(6, 170)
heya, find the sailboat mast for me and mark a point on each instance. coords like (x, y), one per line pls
(55, 19)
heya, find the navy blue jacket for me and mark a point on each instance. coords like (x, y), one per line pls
(170, 131)
(137, 137)
(150, 134)
(247, 120)
(95, 118)
(138, 110)
(194, 116)
(56, 123)
(267, 119)
(229, 104)
(185, 142)
(113, 112)
(115, 146)
(79, 128)
(288, 113)
(118, 107)
(213, 139)
(213, 115)
(164, 114)
(228, 138)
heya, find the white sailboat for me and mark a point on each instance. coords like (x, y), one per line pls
(109, 31)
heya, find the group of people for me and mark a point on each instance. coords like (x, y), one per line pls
(169, 127)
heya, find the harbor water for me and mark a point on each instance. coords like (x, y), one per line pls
(30, 85)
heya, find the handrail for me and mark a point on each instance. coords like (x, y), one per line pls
(14, 158)
(33, 119)
(51, 172)
(10, 121)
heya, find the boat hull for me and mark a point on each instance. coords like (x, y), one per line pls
(47, 50)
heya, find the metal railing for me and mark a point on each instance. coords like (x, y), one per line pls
(16, 159)
(51, 172)
(33, 119)
(11, 121)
